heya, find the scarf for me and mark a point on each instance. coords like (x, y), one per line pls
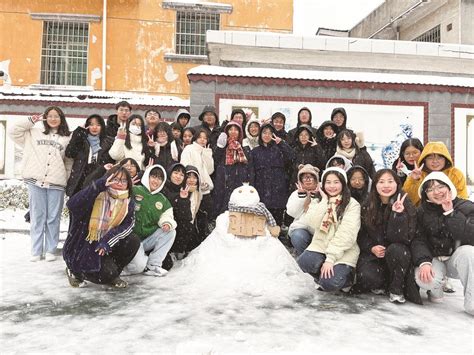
(259, 209)
(330, 217)
(94, 142)
(253, 142)
(349, 154)
(234, 153)
(109, 210)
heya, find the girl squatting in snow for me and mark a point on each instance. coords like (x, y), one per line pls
(45, 171)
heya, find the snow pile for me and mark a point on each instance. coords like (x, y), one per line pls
(233, 266)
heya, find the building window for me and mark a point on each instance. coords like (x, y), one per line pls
(64, 53)
(191, 30)
(432, 35)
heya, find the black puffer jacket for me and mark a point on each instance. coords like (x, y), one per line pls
(440, 235)
(328, 145)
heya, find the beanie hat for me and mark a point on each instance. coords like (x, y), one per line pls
(336, 169)
(438, 175)
(308, 169)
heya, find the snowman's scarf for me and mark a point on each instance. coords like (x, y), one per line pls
(259, 209)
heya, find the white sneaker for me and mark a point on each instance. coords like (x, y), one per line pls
(397, 298)
(155, 271)
(50, 257)
(434, 299)
(35, 258)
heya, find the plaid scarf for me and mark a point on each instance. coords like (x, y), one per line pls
(330, 217)
(234, 153)
(109, 210)
(259, 209)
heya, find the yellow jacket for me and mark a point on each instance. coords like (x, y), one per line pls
(455, 175)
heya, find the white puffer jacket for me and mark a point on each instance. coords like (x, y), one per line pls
(201, 158)
(119, 151)
(44, 161)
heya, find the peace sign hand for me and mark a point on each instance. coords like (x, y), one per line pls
(36, 118)
(321, 192)
(398, 205)
(184, 193)
(150, 162)
(399, 165)
(299, 188)
(151, 142)
(109, 182)
(447, 203)
(313, 142)
(276, 139)
(135, 180)
(416, 173)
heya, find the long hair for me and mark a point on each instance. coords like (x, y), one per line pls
(347, 133)
(372, 213)
(164, 126)
(101, 122)
(260, 140)
(410, 142)
(198, 132)
(142, 134)
(345, 193)
(63, 129)
(131, 161)
(361, 194)
(116, 170)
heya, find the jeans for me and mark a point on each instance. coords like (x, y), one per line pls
(300, 238)
(459, 266)
(46, 206)
(311, 262)
(159, 243)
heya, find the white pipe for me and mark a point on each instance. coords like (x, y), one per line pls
(104, 46)
(398, 17)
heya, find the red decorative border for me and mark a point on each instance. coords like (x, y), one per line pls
(335, 100)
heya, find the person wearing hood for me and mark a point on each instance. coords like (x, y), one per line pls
(359, 183)
(119, 119)
(267, 171)
(326, 138)
(435, 157)
(100, 242)
(154, 220)
(182, 117)
(304, 117)
(444, 240)
(198, 216)
(252, 133)
(177, 132)
(210, 121)
(306, 151)
(238, 115)
(278, 120)
(298, 203)
(347, 147)
(340, 161)
(388, 227)
(199, 155)
(167, 148)
(339, 117)
(132, 142)
(231, 166)
(88, 147)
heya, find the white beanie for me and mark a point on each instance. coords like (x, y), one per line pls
(334, 168)
(438, 175)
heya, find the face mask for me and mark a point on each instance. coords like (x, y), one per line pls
(135, 130)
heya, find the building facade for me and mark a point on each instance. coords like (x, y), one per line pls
(441, 21)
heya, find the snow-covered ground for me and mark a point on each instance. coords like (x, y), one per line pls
(203, 307)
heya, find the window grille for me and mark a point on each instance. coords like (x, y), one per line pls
(64, 53)
(432, 35)
(191, 30)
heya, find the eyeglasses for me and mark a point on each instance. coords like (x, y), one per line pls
(435, 157)
(120, 181)
(436, 188)
(309, 177)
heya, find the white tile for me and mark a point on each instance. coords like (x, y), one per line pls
(383, 46)
(243, 38)
(318, 42)
(337, 44)
(267, 40)
(449, 50)
(405, 47)
(427, 48)
(360, 45)
(215, 36)
(291, 41)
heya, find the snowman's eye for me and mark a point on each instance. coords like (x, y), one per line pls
(252, 191)
(240, 191)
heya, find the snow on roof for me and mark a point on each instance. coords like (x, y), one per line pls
(99, 97)
(332, 76)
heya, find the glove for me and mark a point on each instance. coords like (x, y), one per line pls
(222, 140)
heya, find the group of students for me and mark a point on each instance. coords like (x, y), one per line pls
(138, 183)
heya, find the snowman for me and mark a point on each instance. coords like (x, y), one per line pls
(242, 255)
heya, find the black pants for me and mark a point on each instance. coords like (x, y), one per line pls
(203, 217)
(388, 272)
(112, 265)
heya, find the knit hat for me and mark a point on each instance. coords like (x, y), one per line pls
(438, 175)
(308, 169)
(336, 169)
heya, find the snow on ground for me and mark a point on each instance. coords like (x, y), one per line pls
(189, 312)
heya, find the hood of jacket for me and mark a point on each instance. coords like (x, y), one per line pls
(436, 148)
(304, 127)
(182, 112)
(211, 109)
(260, 141)
(146, 178)
(347, 162)
(310, 116)
(236, 124)
(193, 169)
(340, 110)
(438, 175)
(252, 120)
(365, 174)
(308, 169)
(320, 131)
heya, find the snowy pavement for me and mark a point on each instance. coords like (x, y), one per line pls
(40, 312)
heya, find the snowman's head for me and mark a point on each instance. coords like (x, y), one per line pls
(245, 196)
